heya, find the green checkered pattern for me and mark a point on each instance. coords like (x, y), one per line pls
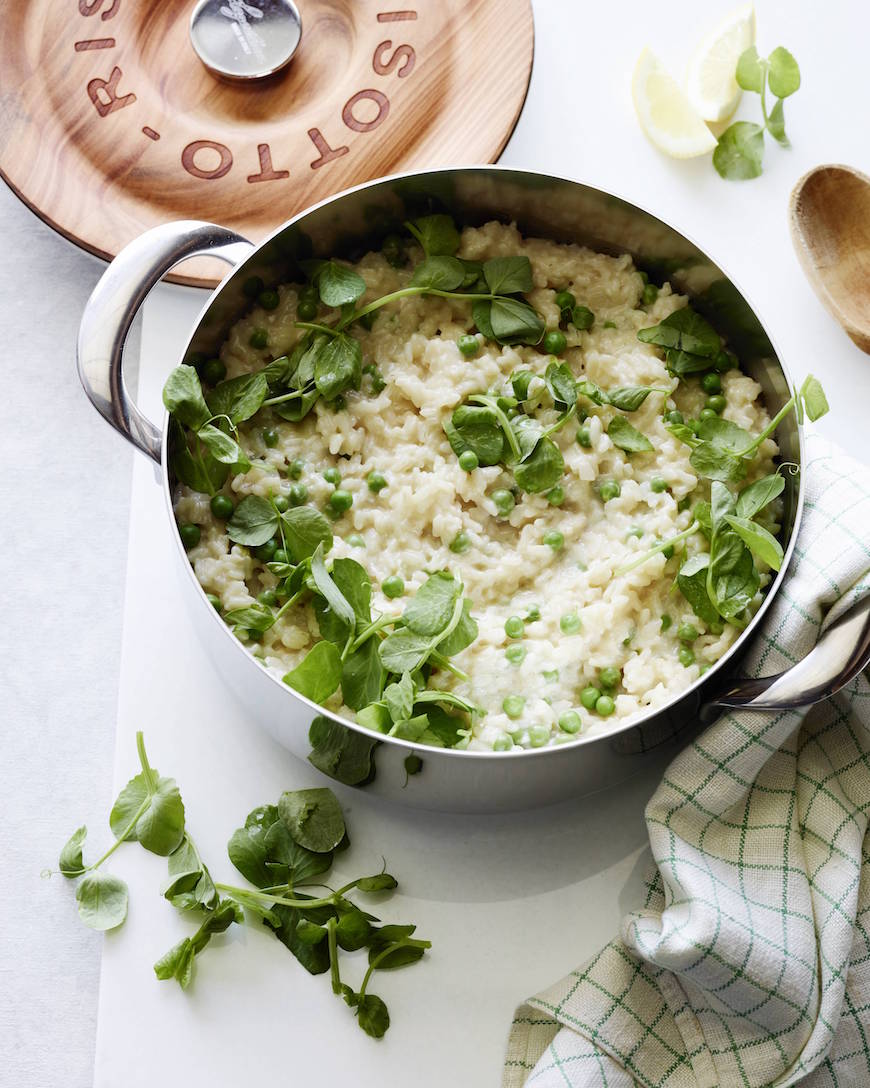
(749, 962)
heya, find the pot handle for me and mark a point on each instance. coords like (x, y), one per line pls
(113, 305)
(842, 651)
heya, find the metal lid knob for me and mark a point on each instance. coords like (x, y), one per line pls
(245, 39)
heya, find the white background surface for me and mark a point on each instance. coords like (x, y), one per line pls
(510, 904)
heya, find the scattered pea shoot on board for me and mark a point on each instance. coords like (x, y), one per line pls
(279, 850)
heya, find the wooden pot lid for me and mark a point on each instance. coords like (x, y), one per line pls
(112, 123)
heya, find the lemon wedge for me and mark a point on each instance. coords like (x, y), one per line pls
(710, 84)
(664, 112)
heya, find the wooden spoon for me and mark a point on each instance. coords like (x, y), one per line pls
(829, 215)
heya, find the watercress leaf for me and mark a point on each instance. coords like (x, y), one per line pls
(280, 371)
(683, 432)
(758, 540)
(462, 635)
(814, 399)
(310, 932)
(318, 674)
(542, 469)
(508, 275)
(352, 930)
(686, 331)
(253, 522)
(757, 495)
(149, 809)
(71, 863)
(339, 285)
(750, 71)
(440, 273)
(776, 124)
(735, 587)
(247, 851)
(561, 384)
(410, 728)
(481, 313)
(437, 234)
(381, 882)
(304, 530)
(342, 753)
(376, 717)
(528, 432)
(739, 151)
(722, 503)
(313, 818)
(431, 608)
(313, 957)
(591, 391)
(308, 359)
(330, 591)
(681, 364)
(288, 861)
(102, 900)
(177, 963)
(783, 74)
(182, 395)
(514, 321)
(476, 428)
(717, 464)
(190, 883)
(373, 1016)
(201, 473)
(356, 587)
(338, 366)
(628, 398)
(295, 410)
(222, 447)
(239, 398)
(627, 437)
(692, 583)
(403, 651)
(400, 956)
(362, 676)
(473, 277)
(725, 435)
(253, 617)
(399, 698)
(703, 514)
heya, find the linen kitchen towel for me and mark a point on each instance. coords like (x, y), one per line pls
(749, 963)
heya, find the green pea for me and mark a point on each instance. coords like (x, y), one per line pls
(605, 706)
(298, 494)
(393, 249)
(711, 383)
(582, 317)
(533, 614)
(687, 632)
(215, 602)
(635, 531)
(539, 735)
(340, 501)
(376, 482)
(253, 286)
(707, 413)
(570, 623)
(644, 278)
(716, 627)
(716, 404)
(268, 597)
(565, 300)
(270, 437)
(393, 587)
(306, 310)
(513, 706)
(554, 342)
(584, 438)
(355, 540)
(502, 743)
(504, 501)
(609, 678)
(281, 503)
(309, 293)
(332, 476)
(609, 325)
(266, 552)
(550, 675)
(222, 506)
(295, 469)
(649, 295)
(725, 360)
(468, 461)
(684, 503)
(515, 654)
(460, 543)
(189, 534)
(268, 299)
(556, 495)
(213, 371)
(589, 696)
(259, 338)
(281, 556)
(554, 539)
(667, 621)
(658, 484)
(608, 490)
(514, 627)
(570, 722)
(674, 417)
(469, 345)
(686, 657)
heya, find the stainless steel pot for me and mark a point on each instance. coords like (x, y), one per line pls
(347, 224)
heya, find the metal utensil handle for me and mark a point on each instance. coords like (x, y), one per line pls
(114, 303)
(843, 650)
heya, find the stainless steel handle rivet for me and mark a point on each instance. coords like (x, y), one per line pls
(245, 39)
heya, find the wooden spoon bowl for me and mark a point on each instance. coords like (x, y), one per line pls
(829, 216)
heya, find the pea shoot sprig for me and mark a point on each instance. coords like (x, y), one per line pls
(280, 849)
